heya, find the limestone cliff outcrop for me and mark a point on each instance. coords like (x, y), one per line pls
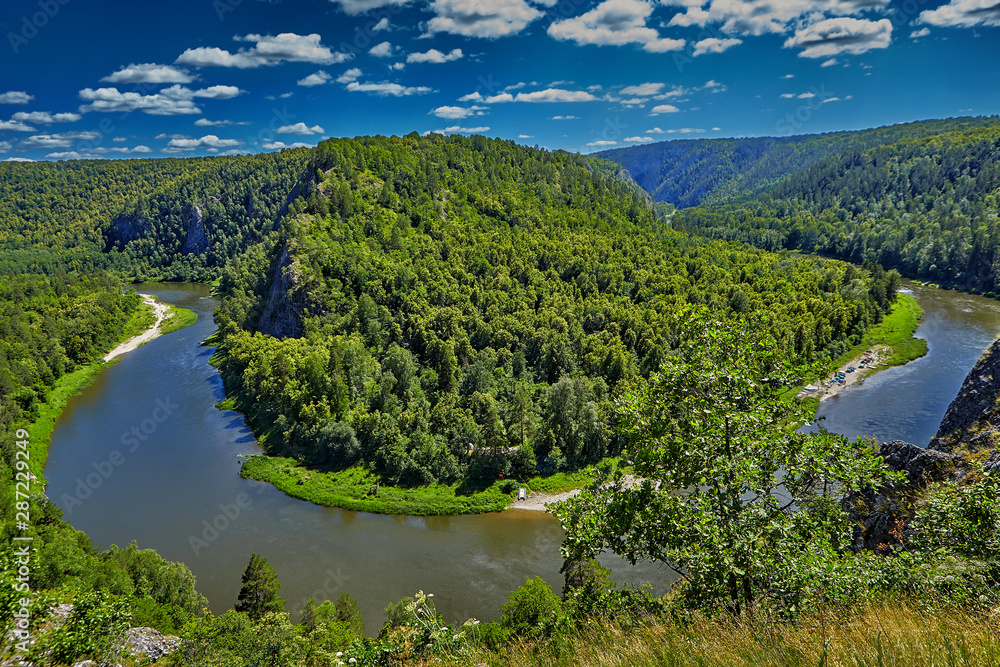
(282, 316)
(196, 240)
(972, 421)
(964, 447)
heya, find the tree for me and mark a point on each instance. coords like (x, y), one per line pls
(730, 490)
(259, 594)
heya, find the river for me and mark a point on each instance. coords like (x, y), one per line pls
(907, 402)
(176, 488)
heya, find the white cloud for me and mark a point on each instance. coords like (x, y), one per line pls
(643, 89)
(208, 141)
(267, 50)
(806, 95)
(759, 17)
(499, 99)
(829, 63)
(616, 23)
(121, 139)
(204, 122)
(15, 126)
(382, 50)
(663, 108)
(300, 128)
(45, 118)
(72, 155)
(59, 140)
(837, 99)
(383, 24)
(15, 97)
(655, 130)
(5, 146)
(716, 129)
(714, 45)
(555, 95)
(639, 140)
(475, 18)
(387, 88)
(456, 129)
(963, 14)
(124, 150)
(149, 73)
(686, 130)
(435, 56)
(831, 37)
(349, 76)
(18, 159)
(395, 67)
(315, 79)
(471, 97)
(278, 145)
(788, 76)
(787, 96)
(565, 118)
(173, 101)
(917, 34)
(603, 142)
(355, 7)
(525, 136)
(457, 113)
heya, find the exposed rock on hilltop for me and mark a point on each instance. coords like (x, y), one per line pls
(972, 422)
(965, 447)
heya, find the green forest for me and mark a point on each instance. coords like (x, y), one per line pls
(433, 313)
(462, 309)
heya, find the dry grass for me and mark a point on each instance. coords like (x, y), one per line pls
(881, 635)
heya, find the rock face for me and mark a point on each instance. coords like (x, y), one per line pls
(196, 241)
(921, 466)
(282, 314)
(126, 228)
(150, 643)
(972, 422)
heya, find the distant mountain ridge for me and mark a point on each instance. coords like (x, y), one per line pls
(689, 172)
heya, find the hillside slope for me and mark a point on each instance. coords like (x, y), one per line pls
(689, 172)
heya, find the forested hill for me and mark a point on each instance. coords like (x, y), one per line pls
(689, 172)
(170, 218)
(926, 206)
(431, 294)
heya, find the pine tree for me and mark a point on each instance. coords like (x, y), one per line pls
(259, 594)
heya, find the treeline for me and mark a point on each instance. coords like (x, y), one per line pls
(462, 308)
(49, 325)
(690, 172)
(926, 207)
(173, 219)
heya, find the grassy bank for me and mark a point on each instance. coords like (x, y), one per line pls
(358, 489)
(896, 330)
(361, 490)
(177, 319)
(40, 431)
(883, 635)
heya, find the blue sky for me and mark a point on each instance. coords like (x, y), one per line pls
(91, 78)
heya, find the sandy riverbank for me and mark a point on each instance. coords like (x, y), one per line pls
(149, 334)
(826, 388)
(537, 501)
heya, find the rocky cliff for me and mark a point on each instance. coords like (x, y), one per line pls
(972, 422)
(196, 240)
(282, 316)
(964, 448)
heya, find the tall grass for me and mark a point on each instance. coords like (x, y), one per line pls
(900, 634)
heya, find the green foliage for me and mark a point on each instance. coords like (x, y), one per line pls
(177, 319)
(691, 172)
(451, 310)
(235, 639)
(925, 205)
(963, 520)
(727, 488)
(530, 608)
(259, 594)
(94, 629)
